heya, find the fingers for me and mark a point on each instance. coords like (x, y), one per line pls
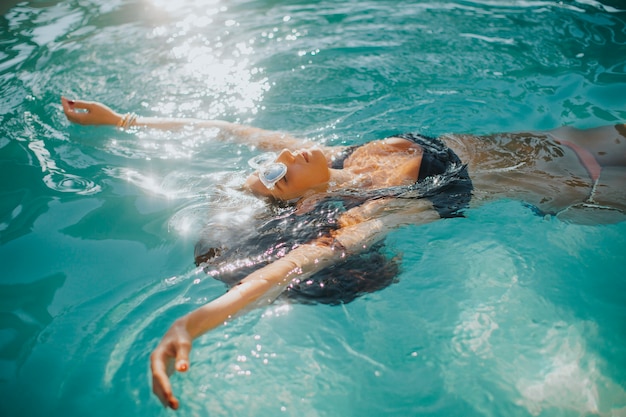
(163, 390)
(70, 108)
(78, 104)
(173, 350)
(67, 106)
(161, 385)
(182, 357)
(75, 104)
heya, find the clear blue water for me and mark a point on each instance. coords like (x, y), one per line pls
(502, 313)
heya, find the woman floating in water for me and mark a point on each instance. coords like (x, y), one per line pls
(348, 198)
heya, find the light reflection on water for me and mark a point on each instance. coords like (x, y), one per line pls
(502, 313)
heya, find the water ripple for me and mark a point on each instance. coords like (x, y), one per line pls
(56, 178)
(69, 183)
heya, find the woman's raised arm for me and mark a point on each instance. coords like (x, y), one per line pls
(94, 113)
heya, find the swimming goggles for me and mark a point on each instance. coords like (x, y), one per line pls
(269, 171)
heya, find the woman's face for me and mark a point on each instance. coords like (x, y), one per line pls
(306, 170)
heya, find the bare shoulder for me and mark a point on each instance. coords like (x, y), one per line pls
(399, 143)
(389, 145)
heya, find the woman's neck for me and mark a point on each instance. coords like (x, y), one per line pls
(343, 178)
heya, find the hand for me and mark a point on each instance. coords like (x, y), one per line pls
(173, 350)
(89, 112)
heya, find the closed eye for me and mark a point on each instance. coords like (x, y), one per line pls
(281, 183)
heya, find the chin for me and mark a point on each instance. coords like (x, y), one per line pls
(319, 155)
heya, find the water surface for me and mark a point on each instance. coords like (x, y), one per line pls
(500, 313)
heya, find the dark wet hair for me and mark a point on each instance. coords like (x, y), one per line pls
(282, 230)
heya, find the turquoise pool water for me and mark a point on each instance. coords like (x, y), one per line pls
(502, 313)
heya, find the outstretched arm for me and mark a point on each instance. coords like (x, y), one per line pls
(259, 288)
(264, 285)
(94, 113)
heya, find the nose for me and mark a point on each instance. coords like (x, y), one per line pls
(285, 156)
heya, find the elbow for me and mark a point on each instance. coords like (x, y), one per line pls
(268, 283)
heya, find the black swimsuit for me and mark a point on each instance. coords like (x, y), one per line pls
(450, 196)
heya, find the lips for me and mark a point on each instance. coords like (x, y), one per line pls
(305, 155)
